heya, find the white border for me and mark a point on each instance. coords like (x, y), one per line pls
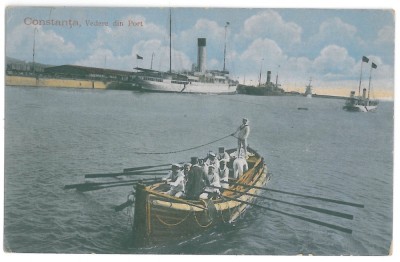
(330, 4)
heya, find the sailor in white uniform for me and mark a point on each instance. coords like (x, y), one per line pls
(176, 181)
(213, 179)
(223, 155)
(240, 166)
(223, 173)
(212, 160)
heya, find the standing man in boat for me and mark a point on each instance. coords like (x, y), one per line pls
(242, 133)
(196, 181)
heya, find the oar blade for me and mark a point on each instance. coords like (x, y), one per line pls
(123, 206)
(332, 226)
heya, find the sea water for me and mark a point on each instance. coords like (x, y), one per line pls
(55, 136)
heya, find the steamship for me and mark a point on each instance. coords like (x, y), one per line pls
(200, 81)
(360, 103)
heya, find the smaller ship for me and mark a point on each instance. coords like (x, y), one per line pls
(362, 103)
(308, 92)
(266, 89)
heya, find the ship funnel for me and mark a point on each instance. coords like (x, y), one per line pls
(201, 55)
(268, 77)
(364, 93)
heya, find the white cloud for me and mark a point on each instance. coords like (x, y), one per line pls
(270, 24)
(334, 62)
(48, 45)
(385, 35)
(335, 31)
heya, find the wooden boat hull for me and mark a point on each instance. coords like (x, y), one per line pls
(160, 219)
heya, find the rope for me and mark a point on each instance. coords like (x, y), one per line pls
(171, 224)
(205, 212)
(183, 150)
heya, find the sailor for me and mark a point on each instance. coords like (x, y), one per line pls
(223, 173)
(173, 173)
(186, 169)
(212, 160)
(239, 166)
(176, 181)
(196, 180)
(242, 133)
(222, 154)
(203, 165)
(213, 179)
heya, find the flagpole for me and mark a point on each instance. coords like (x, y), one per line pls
(359, 85)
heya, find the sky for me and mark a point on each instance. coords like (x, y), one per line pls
(297, 44)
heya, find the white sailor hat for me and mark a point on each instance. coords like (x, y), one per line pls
(212, 154)
(176, 165)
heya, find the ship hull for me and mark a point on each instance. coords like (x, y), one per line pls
(360, 108)
(168, 86)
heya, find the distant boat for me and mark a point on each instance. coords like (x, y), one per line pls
(199, 80)
(266, 89)
(308, 92)
(362, 103)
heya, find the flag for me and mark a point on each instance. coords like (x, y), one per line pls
(374, 65)
(139, 57)
(365, 59)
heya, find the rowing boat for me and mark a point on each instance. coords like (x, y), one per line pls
(160, 218)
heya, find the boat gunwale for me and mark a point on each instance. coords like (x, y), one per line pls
(193, 205)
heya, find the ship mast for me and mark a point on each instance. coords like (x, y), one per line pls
(373, 65)
(226, 26)
(33, 51)
(170, 42)
(259, 78)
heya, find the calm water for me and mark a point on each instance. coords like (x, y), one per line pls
(55, 136)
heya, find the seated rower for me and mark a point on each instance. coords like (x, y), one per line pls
(186, 169)
(223, 155)
(212, 160)
(213, 180)
(176, 181)
(240, 166)
(223, 173)
(196, 180)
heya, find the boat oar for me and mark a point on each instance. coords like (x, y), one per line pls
(93, 188)
(146, 171)
(83, 185)
(123, 205)
(139, 173)
(144, 167)
(339, 228)
(316, 209)
(300, 195)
